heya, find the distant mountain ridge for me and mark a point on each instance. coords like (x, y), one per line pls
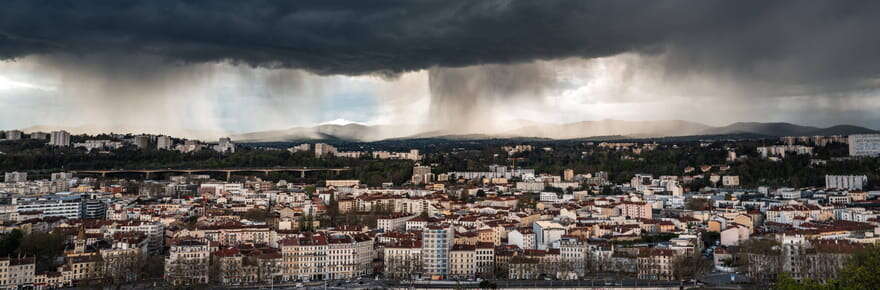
(785, 129)
(578, 130)
(610, 128)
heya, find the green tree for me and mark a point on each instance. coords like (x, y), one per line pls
(698, 204)
(9, 242)
(709, 238)
(44, 247)
(861, 271)
(257, 214)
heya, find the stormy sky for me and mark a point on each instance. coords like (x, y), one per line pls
(185, 67)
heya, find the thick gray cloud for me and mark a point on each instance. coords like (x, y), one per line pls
(480, 56)
(797, 45)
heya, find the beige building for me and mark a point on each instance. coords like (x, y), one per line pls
(734, 234)
(395, 222)
(462, 262)
(730, 180)
(79, 268)
(230, 233)
(655, 264)
(484, 259)
(16, 272)
(322, 256)
(187, 262)
(49, 280)
(246, 265)
(403, 259)
(342, 183)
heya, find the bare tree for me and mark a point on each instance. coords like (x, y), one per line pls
(403, 267)
(816, 265)
(567, 269)
(187, 273)
(486, 271)
(265, 269)
(761, 260)
(596, 264)
(122, 268)
(686, 267)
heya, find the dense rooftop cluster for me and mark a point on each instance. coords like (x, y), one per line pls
(493, 223)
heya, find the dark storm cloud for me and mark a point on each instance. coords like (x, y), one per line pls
(798, 43)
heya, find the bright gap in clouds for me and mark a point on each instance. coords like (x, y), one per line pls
(8, 84)
(210, 100)
(342, 122)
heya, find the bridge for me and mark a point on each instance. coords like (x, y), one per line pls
(147, 172)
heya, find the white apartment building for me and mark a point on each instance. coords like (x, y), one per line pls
(788, 193)
(530, 186)
(322, 149)
(141, 141)
(34, 187)
(59, 176)
(730, 180)
(16, 176)
(189, 146)
(66, 206)
(850, 182)
(225, 145)
(411, 155)
(154, 231)
(422, 175)
(39, 135)
(164, 143)
(13, 135)
(524, 238)
(417, 224)
(90, 145)
(548, 197)
(412, 206)
(781, 150)
(187, 262)
(495, 171)
(516, 149)
(395, 222)
(857, 214)
(59, 138)
(301, 147)
(546, 233)
(864, 145)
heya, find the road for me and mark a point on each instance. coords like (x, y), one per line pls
(366, 283)
(544, 284)
(724, 279)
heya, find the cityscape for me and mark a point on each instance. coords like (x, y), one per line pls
(439, 144)
(474, 213)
